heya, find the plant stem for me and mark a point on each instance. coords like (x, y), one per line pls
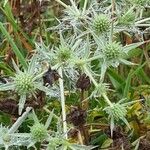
(88, 73)
(92, 58)
(141, 13)
(84, 7)
(62, 3)
(143, 20)
(85, 134)
(112, 23)
(90, 76)
(107, 100)
(19, 121)
(61, 85)
(80, 137)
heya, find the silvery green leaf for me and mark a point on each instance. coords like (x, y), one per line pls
(76, 44)
(49, 91)
(7, 86)
(132, 102)
(49, 119)
(21, 135)
(19, 121)
(63, 147)
(35, 118)
(39, 75)
(22, 101)
(126, 62)
(129, 47)
(32, 64)
(16, 67)
(32, 144)
(81, 147)
(5, 2)
(99, 40)
(126, 122)
(103, 70)
(20, 140)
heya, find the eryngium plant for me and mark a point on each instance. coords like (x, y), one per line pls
(10, 137)
(51, 140)
(116, 112)
(25, 83)
(75, 16)
(71, 54)
(112, 53)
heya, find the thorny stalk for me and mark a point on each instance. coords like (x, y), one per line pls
(112, 16)
(61, 85)
(88, 73)
(20, 120)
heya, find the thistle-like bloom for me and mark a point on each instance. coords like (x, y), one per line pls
(112, 53)
(9, 136)
(38, 132)
(101, 24)
(70, 54)
(100, 89)
(75, 16)
(25, 83)
(117, 111)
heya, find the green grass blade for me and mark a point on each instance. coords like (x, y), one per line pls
(128, 84)
(14, 47)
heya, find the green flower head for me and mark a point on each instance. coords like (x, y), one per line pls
(100, 89)
(24, 83)
(112, 51)
(118, 111)
(38, 132)
(101, 24)
(64, 53)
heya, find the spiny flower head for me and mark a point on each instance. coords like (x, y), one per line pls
(64, 53)
(101, 23)
(38, 132)
(100, 89)
(117, 110)
(24, 82)
(112, 51)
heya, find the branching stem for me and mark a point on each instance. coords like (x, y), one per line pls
(88, 73)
